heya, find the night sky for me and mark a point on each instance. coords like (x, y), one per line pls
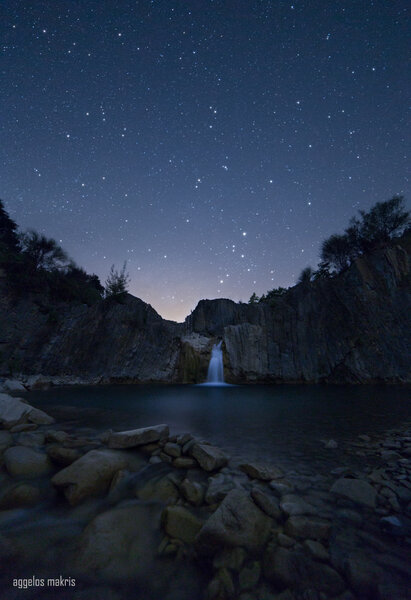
(212, 144)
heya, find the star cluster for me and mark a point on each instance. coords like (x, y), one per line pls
(211, 144)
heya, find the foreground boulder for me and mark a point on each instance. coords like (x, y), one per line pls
(263, 472)
(120, 543)
(180, 523)
(22, 461)
(13, 411)
(13, 385)
(236, 522)
(308, 527)
(357, 490)
(138, 437)
(90, 475)
(210, 458)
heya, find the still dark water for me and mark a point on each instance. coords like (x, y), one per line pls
(283, 423)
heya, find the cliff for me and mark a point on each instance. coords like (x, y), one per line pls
(353, 328)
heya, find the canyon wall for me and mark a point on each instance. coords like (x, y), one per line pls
(353, 328)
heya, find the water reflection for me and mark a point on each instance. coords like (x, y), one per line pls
(284, 422)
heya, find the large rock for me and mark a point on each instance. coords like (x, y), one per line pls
(210, 458)
(293, 505)
(40, 417)
(13, 385)
(192, 491)
(22, 461)
(162, 490)
(308, 527)
(14, 411)
(267, 503)
(357, 490)
(138, 437)
(6, 440)
(236, 522)
(90, 475)
(120, 544)
(218, 487)
(291, 568)
(18, 495)
(180, 523)
(263, 472)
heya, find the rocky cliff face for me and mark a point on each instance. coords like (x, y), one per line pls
(352, 328)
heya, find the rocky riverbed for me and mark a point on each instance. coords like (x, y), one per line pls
(150, 515)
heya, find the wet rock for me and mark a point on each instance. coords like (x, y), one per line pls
(13, 385)
(6, 440)
(173, 450)
(56, 436)
(282, 487)
(210, 458)
(119, 544)
(39, 417)
(317, 550)
(189, 445)
(22, 461)
(192, 491)
(362, 576)
(138, 437)
(290, 568)
(324, 578)
(263, 472)
(19, 495)
(180, 523)
(90, 475)
(162, 490)
(230, 558)
(330, 444)
(165, 458)
(249, 576)
(218, 487)
(294, 505)
(221, 586)
(184, 462)
(183, 438)
(12, 411)
(63, 456)
(357, 490)
(308, 527)
(23, 427)
(351, 516)
(268, 504)
(394, 526)
(280, 566)
(236, 522)
(31, 438)
(285, 540)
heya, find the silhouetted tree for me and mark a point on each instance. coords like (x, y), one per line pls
(253, 299)
(117, 282)
(323, 271)
(305, 276)
(9, 241)
(337, 252)
(377, 226)
(43, 252)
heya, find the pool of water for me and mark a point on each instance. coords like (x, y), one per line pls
(283, 423)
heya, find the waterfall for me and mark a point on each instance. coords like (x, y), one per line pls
(215, 373)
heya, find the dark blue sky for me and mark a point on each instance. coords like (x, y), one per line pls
(211, 144)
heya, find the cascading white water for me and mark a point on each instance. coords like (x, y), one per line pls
(215, 373)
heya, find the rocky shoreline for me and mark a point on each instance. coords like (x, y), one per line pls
(171, 517)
